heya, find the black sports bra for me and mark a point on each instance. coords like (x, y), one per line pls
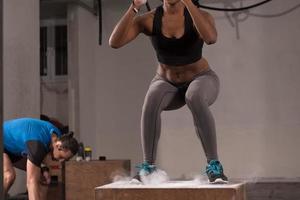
(173, 51)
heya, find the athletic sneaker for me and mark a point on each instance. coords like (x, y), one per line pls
(144, 170)
(214, 171)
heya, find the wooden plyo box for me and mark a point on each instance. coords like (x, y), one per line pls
(179, 190)
(81, 178)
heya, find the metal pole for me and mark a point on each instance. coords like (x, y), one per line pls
(100, 20)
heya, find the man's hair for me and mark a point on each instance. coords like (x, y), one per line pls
(69, 142)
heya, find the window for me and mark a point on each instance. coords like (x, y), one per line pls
(53, 50)
(43, 51)
(61, 51)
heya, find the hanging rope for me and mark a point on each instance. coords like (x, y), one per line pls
(196, 2)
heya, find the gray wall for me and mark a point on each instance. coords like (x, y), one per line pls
(21, 83)
(21, 59)
(54, 100)
(257, 112)
(54, 89)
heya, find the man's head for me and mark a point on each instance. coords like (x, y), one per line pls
(64, 147)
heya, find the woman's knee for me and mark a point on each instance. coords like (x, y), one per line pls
(201, 94)
(157, 93)
(194, 97)
(160, 87)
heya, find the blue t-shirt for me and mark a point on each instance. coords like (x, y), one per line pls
(28, 137)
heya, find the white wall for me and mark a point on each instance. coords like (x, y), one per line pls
(54, 100)
(21, 83)
(21, 58)
(82, 67)
(257, 113)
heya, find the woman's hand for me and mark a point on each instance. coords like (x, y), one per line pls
(138, 3)
(195, 2)
(186, 1)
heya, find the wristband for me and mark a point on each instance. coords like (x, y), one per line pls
(135, 10)
(44, 169)
(196, 3)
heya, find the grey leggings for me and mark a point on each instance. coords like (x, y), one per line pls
(198, 94)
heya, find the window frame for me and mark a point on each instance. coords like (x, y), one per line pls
(50, 24)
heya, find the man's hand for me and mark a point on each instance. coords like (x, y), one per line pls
(45, 178)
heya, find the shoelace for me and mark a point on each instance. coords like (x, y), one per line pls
(146, 167)
(214, 167)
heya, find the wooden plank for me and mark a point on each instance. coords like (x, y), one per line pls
(273, 189)
(179, 190)
(56, 191)
(81, 178)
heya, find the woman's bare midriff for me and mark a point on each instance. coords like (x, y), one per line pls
(182, 74)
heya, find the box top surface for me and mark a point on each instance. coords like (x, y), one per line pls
(169, 185)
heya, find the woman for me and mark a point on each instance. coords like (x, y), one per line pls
(177, 29)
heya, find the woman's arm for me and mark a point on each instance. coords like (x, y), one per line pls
(203, 22)
(128, 27)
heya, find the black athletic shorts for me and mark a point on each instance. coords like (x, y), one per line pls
(13, 158)
(36, 152)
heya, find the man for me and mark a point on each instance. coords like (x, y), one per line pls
(27, 142)
(177, 29)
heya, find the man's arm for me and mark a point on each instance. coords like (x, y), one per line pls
(36, 154)
(33, 178)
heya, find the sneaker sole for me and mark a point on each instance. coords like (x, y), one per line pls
(219, 181)
(135, 182)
